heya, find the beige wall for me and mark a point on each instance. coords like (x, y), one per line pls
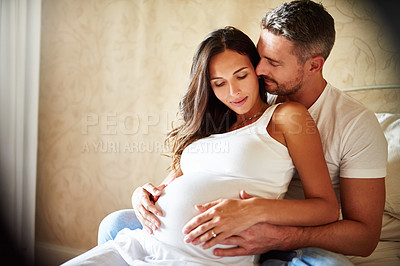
(112, 73)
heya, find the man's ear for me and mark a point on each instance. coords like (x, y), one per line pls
(315, 65)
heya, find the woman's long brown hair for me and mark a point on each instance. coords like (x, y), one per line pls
(201, 113)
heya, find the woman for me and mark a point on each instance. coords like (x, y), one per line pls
(229, 140)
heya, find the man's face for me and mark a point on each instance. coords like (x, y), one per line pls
(279, 67)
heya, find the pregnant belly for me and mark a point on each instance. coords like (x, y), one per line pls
(178, 200)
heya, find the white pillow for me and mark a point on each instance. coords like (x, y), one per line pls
(391, 127)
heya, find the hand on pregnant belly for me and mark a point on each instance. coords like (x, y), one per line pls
(180, 197)
(222, 217)
(143, 199)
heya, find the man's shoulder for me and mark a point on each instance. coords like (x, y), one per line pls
(344, 107)
(340, 98)
(338, 115)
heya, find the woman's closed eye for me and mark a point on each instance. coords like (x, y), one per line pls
(242, 76)
(219, 84)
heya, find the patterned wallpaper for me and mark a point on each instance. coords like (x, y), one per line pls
(112, 73)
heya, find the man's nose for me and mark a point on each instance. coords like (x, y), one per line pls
(261, 69)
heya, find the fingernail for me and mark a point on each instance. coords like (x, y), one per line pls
(186, 239)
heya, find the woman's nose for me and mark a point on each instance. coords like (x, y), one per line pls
(234, 89)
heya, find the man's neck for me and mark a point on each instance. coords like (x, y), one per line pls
(307, 95)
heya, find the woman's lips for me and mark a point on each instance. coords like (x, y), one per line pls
(239, 102)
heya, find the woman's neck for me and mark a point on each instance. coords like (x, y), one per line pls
(250, 117)
(261, 106)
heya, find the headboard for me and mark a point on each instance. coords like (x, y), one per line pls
(378, 98)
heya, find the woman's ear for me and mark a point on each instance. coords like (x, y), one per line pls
(315, 65)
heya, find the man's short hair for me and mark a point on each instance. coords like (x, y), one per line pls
(307, 24)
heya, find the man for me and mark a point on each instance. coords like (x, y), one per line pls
(295, 41)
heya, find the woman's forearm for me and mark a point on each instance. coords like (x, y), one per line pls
(229, 217)
(308, 212)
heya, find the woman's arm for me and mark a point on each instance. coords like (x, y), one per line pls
(293, 127)
(143, 199)
(292, 122)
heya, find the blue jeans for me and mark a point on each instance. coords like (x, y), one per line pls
(116, 221)
(304, 257)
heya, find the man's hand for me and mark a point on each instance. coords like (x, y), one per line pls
(247, 242)
(143, 199)
(258, 239)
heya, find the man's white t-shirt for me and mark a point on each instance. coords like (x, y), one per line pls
(352, 138)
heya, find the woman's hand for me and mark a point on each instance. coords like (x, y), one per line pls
(143, 199)
(219, 220)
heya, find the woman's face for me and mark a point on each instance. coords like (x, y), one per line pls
(234, 82)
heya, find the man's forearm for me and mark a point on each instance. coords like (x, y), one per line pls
(345, 237)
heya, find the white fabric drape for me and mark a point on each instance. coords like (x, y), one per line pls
(19, 90)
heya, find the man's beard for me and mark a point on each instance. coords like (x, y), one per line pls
(282, 89)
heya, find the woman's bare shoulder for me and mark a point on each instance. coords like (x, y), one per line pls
(289, 110)
(290, 107)
(291, 116)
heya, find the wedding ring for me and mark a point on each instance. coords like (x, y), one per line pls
(213, 233)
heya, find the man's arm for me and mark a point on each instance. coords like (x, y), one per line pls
(357, 234)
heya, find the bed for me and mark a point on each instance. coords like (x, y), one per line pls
(385, 102)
